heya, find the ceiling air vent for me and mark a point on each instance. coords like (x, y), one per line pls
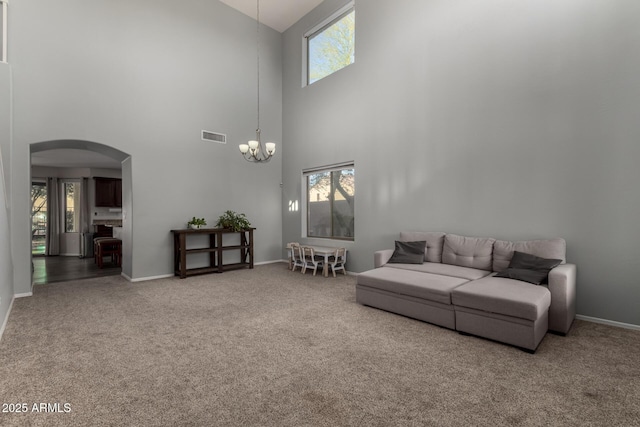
(220, 138)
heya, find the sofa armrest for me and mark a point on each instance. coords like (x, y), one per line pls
(562, 285)
(380, 258)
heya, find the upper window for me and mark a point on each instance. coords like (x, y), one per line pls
(330, 202)
(330, 45)
(3, 31)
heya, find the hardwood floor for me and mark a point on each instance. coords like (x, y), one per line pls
(63, 268)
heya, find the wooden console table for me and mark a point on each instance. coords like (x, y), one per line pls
(215, 250)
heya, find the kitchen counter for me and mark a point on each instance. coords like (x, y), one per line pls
(108, 222)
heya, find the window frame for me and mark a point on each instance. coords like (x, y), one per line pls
(306, 201)
(3, 30)
(317, 29)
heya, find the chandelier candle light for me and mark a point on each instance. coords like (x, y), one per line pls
(253, 150)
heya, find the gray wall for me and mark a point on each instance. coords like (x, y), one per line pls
(145, 77)
(516, 120)
(6, 266)
(5, 120)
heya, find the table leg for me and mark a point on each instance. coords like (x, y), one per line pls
(176, 252)
(325, 266)
(183, 256)
(251, 248)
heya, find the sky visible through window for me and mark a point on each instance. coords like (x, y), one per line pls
(332, 48)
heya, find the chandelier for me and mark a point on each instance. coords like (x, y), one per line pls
(253, 151)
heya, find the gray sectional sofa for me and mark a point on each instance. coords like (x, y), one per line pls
(455, 287)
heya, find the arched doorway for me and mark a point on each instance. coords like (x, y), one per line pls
(74, 161)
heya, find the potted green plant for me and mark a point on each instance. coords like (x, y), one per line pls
(196, 223)
(231, 220)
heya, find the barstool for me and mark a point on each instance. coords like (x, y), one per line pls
(104, 246)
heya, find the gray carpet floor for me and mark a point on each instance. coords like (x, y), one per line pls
(270, 347)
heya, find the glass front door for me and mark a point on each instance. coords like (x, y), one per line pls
(38, 217)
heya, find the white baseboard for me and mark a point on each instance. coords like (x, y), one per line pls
(608, 322)
(26, 294)
(6, 318)
(271, 262)
(164, 276)
(145, 279)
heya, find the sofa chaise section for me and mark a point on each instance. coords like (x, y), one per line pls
(504, 310)
(561, 281)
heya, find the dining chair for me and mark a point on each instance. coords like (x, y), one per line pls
(296, 256)
(291, 253)
(310, 259)
(338, 260)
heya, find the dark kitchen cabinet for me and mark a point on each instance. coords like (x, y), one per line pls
(108, 192)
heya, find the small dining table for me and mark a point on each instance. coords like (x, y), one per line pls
(324, 251)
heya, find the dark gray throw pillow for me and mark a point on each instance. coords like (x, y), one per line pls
(529, 268)
(408, 252)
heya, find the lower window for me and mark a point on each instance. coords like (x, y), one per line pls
(330, 202)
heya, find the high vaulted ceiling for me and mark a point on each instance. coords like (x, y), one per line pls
(277, 14)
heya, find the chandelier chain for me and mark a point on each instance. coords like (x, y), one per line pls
(254, 151)
(258, 47)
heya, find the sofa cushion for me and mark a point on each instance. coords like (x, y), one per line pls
(444, 270)
(503, 296)
(474, 252)
(434, 240)
(427, 286)
(544, 248)
(529, 268)
(408, 252)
